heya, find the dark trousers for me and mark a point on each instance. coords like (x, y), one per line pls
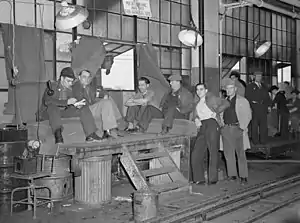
(284, 124)
(86, 118)
(170, 114)
(232, 137)
(208, 138)
(259, 124)
(143, 115)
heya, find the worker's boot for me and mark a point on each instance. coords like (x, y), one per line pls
(58, 136)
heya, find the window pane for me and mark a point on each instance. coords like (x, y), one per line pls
(3, 79)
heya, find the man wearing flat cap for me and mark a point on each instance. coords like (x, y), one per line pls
(177, 104)
(236, 119)
(58, 102)
(259, 99)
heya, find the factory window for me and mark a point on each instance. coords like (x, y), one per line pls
(244, 28)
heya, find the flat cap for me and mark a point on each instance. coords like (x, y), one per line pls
(175, 77)
(227, 81)
(67, 72)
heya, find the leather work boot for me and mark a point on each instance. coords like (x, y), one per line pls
(58, 136)
(93, 137)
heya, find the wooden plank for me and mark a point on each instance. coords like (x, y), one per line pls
(147, 156)
(85, 150)
(133, 170)
(275, 143)
(158, 171)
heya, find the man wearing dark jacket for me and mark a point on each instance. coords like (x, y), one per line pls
(177, 104)
(103, 108)
(280, 103)
(58, 102)
(259, 99)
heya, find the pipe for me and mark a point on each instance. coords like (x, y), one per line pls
(273, 209)
(273, 161)
(271, 7)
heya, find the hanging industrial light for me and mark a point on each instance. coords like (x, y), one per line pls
(261, 47)
(70, 16)
(191, 36)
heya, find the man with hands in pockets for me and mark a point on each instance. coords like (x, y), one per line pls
(235, 132)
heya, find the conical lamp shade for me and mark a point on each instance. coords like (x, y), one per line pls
(190, 38)
(262, 48)
(70, 16)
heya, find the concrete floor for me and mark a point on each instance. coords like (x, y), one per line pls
(120, 209)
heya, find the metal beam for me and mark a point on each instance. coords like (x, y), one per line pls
(291, 2)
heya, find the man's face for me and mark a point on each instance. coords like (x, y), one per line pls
(175, 85)
(201, 91)
(143, 86)
(258, 77)
(274, 92)
(85, 78)
(294, 96)
(234, 78)
(230, 90)
(67, 82)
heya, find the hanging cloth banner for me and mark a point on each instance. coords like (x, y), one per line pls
(140, 8)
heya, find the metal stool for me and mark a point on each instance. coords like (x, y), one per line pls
(32, 198)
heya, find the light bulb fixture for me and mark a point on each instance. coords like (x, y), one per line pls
(261, 48)
(191, 36)
(70, 16)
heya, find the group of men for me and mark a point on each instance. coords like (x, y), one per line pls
(98, 113)
(272, 108)
(229, 116)
(226, 117)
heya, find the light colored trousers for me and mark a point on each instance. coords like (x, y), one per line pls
(106, 114)
(232, 137)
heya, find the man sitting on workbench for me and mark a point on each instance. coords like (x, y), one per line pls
(103, 108)
(142, 108)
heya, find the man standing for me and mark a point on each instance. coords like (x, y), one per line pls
(236, 120)
(207, 114)
(58, 103)
(259, 100)
(104, 110)
(142, 108)
(280, 103)
(294, 108)
(177, 104)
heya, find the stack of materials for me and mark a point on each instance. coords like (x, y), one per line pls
(13, 140)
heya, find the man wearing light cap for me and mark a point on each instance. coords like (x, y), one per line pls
(259, 99)
(235, 139)
(177, 104)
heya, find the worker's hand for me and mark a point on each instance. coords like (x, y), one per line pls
(198, 122)
(71, 101)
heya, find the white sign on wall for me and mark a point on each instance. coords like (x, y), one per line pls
(140, 8)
